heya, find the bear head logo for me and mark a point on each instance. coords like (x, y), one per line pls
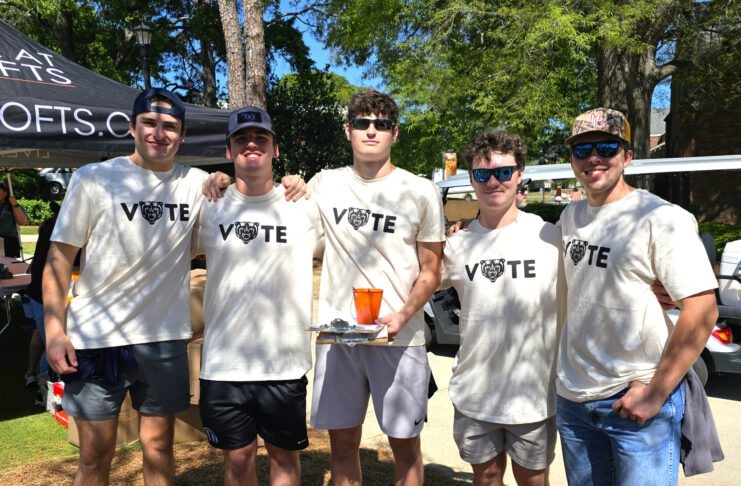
(492, 269)
(151, 210)
(246, 231)
(358, 217)
(577, 250)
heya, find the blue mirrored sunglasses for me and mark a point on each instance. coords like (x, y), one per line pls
(500, 173)
(604, 149)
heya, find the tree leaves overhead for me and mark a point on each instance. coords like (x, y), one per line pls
(460, 66)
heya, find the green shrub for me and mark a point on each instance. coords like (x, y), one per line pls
(722, 234)
(549, 212)
(36, 210)
(27, 184)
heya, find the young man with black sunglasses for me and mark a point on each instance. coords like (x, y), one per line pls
(621, 363)
(505, 267)
(384, 230)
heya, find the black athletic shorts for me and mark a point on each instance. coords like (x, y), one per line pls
(234, 412)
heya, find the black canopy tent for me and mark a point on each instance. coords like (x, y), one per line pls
(55, 113)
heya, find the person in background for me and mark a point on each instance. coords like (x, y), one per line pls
(521, 196)
(36, 356)
(12, 215)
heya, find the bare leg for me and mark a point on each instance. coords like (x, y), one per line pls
(240, 466)
(285, 468)
(408, 468)
(345, 458)
(156, 434)
(35, 350)
(491, 472)
(97, 445)
(529, 477)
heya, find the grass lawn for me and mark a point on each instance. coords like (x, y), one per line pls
(27, 433)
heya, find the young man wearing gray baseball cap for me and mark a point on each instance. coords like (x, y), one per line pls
(258, 304)
(621, 366)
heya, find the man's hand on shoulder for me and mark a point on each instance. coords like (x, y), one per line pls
(458, 226)
(639, 403)
(214, 185)
(295, 187)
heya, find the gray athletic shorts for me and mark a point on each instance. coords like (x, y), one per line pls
(397, 378)
(160, 385)
(532, 446)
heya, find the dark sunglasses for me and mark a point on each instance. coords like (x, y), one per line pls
(500, 173)
(604, 149)
(381, 124)
(522, 190)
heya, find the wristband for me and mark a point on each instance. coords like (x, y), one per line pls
(16, 205)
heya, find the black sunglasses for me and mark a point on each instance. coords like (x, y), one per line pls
(500, 173)
(604, 149)
(381, 124)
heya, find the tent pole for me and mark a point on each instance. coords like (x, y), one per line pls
(17, 228)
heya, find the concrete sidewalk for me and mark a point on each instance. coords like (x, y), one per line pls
(439, 449)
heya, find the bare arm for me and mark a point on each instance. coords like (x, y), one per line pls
(429, 255)
(20, 216)
(697, 317)
(55, 286)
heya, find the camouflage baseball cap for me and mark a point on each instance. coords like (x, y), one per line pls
(601, 120)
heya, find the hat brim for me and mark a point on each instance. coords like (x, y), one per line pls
(607, 134)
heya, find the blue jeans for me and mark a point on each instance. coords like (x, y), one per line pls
(600, 448)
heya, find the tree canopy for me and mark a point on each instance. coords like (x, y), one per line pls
(459, 66)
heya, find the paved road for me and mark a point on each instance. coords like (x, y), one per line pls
(439, 449)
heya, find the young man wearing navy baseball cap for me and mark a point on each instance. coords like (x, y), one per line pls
(124, 329)
(258, 304)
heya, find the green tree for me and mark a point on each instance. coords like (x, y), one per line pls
(308, 111)
(460, 66)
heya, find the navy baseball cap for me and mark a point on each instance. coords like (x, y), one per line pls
(248, 116)
(143, 103)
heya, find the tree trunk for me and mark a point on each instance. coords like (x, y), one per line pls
(235, 60)
(254, 53)
(626, 82)
(209, 74)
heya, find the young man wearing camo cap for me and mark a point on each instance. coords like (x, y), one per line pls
(621, 366)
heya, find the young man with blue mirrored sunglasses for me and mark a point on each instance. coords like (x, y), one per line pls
(505, 267)
(621, 365)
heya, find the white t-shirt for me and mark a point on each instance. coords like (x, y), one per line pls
(509, 287)
(615, 330)
(258, 300)
(134, 226)
(372, 228)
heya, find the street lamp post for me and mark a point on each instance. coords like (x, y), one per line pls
(144, 38)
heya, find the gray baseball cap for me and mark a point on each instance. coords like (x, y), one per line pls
(249, 116)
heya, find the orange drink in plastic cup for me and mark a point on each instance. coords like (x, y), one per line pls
(367, 304)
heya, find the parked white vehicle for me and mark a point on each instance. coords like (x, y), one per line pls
(58, 178)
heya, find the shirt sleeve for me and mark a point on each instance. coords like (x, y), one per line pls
(432, 227)
(679, 257)
(76, 216)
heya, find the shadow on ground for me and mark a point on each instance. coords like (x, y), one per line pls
(199, 464)
(726, 386)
